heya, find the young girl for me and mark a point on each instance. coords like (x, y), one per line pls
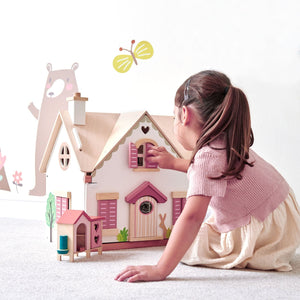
(256, 220)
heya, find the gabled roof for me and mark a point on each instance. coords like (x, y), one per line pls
(102, 135)
(71, 217)
(127, 121)
(146, 189)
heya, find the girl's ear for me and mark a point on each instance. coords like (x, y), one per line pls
(185, 115)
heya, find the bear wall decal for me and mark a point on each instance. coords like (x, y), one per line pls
(60, 85)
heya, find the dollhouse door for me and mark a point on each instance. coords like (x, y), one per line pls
(144, 217)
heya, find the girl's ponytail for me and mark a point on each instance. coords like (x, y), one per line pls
(236, 123)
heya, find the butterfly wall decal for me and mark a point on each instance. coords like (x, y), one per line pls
(143, 50)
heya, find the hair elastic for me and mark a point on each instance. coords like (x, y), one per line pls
(186, 90)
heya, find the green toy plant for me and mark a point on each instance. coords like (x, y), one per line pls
(50, 213)
(123, 235)
(169, 230)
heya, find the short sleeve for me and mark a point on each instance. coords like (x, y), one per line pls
(207, 164)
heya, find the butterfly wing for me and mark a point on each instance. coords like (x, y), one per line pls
(122, 63)
(143, 50)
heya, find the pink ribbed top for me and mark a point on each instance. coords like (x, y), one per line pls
(233, 201)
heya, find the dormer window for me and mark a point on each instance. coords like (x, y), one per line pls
(138, 155)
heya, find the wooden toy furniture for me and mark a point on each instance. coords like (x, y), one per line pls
(77, 232)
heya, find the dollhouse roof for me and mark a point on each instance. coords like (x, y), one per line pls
(103, 133)
(148, 189)
(71, 217)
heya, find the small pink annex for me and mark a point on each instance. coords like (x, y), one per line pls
(96, 162)
(77, 232)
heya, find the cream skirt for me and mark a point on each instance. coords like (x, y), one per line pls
(267, 245)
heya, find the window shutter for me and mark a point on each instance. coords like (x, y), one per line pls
(58, 208)
(178, 205)
(183, 201)
(108, 209)
(96, 234)
(62, 204)
(148, 164)
(132, 160)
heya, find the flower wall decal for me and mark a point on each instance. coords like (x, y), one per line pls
(17, 179)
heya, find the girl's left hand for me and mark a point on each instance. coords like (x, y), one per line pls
(140, 273)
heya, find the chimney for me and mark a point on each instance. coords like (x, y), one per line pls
(77, 108)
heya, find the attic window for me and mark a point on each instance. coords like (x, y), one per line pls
(140, 158)
(138, 155)
(64, 156)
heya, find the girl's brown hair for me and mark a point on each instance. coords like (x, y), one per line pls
(223, 110)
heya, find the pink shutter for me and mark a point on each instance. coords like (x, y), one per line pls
(133, 154)
(183, 201)
(108, 209)
(58, 208)
(112, 221)
(148, 164)
(96, 235)
(64, 205)
(103, 211)
(178, 205)
(176, 209)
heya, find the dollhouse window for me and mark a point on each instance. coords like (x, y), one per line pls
(64, 156)
(138, 154)
(62, 204)
(107, 208)
(146, 207)
(140, 157)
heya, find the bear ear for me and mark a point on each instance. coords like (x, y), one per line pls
(75, 66)
(49, 67)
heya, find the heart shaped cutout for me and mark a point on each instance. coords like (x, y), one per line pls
(145, 129)
(96, 239)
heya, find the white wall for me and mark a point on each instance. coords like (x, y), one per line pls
(256, 43)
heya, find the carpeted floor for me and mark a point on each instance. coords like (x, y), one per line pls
(29, 270)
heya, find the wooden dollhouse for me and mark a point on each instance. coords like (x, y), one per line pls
(97, 162)
(77, 232)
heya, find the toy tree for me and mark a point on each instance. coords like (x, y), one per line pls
(50, 213)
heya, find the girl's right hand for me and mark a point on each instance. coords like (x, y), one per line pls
(161, 156)
(140, 273)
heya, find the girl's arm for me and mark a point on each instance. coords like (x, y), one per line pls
(166, 160)
(182, 236)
